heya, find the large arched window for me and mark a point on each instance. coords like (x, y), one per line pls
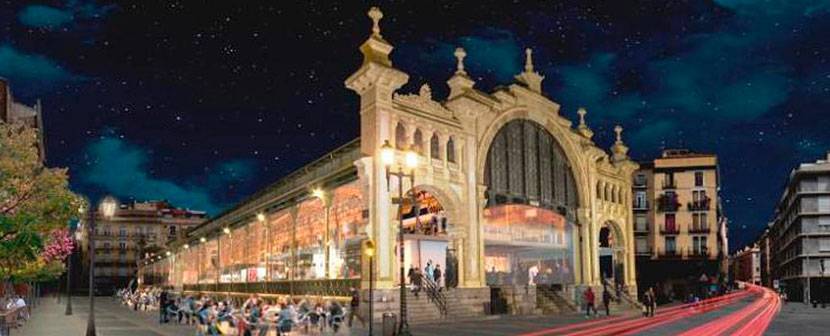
(434, 147)
(450, 151)
(418, 141)
(400, 136)
(526, 165)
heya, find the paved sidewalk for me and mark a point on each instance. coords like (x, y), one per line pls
(797, 318)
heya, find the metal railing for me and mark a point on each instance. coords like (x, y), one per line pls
(434, 294)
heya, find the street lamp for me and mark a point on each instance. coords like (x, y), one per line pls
(107, 210)
(74, 235)
(369, 250)
(387, 157)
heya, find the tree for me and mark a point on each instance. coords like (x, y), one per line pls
(34, 202)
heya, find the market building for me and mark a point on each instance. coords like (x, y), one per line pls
(514, 202)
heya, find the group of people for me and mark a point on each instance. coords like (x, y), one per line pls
(16, 302)
(435, 226)
(432, 273)
(589, 298)
(253, 317)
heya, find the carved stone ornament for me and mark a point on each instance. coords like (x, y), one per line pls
(423, 102)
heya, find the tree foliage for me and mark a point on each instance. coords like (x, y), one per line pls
(34, 202)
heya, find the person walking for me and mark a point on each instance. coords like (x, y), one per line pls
(419, 279)
(650, 302)
(355, 309)
(606, 301)
(436, 274)
(588, 297)
(163, 307)
(411, 274)
(428, 270)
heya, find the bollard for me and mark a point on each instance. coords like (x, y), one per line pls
(390, 324)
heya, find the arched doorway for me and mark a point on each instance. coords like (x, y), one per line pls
(611, 254)
(427, 234)
(530, 208)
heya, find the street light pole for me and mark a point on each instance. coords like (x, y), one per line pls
(107, 208)
(411, 162)
(69, 274)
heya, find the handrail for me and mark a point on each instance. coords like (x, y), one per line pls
(623, 295)
(434, 294)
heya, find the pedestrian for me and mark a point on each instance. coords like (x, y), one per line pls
(411, 274)
(588, 297)
(606, 300)
(428, 270)
(163, 307)
(419, 278)
(436, 273)
(652, 306)
(354, 310)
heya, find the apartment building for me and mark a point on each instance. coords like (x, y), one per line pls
(136, 230)
(680, 230)
(800, 234)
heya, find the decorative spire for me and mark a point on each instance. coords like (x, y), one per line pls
(528, 60)
(530, 77)
(376, 49)
(459, 82)
(375, 14)
(583, 128)
(460, 54)
(619, 149)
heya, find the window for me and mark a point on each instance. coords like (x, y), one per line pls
(824, 204)
(400, 136)
(669, 181)
(699, 245)
(640, 200)
(122, 246)
(824, 245)
(670, 224)
(641, 222)
(450, 151)
(434, 147)
(122, 232)
(640, 180)
(698, 179)
(418, 142)
(671, 245)
(172, 229)
(642, 245)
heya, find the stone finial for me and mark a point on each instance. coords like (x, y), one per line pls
(619, 149)
(530, 77)
(375, 14)
(460, 54)
(583, 128)
(425, 91)
(528, 60)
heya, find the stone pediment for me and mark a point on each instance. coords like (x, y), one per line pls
(423, 102)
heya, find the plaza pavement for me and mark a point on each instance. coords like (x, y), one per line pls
(114, 319)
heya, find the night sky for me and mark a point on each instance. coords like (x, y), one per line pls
(204, 104)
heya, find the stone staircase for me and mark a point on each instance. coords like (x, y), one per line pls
(461, 304)
(551, 301)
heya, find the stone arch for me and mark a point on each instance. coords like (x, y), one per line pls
(577, 166)
(435, 147)
(448, 199)
(612, 242)
(400, 135)
(418, 141)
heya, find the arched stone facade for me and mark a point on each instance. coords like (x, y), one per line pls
(473, 118)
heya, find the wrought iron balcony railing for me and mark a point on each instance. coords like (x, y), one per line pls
(699, 205)
(699, 229)
(669, 230)
(666, 203)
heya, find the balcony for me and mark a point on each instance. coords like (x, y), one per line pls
(669, 254)
(700, 205)
(643, 205)
(699, 229)
(667, 203)
(669, 230)
(698, 254)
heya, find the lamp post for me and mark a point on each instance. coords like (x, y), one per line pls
(387, 157)
(72, 234)
(107, 209)
(369, 250)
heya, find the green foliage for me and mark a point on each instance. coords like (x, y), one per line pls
(34, 200)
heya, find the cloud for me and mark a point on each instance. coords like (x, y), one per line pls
(31, 72)
(50, 18)
(39, 16)
(590, 85)
(120, 168)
